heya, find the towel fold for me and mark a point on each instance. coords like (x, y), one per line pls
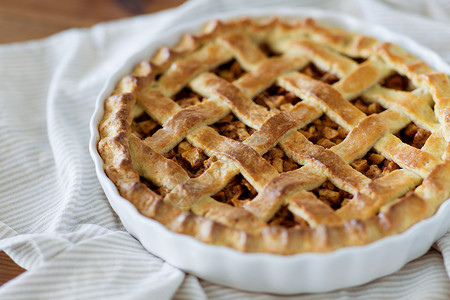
(55, 220)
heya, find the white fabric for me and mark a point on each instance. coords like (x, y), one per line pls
(55, 220)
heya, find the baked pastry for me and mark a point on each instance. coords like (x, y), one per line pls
(280, 136)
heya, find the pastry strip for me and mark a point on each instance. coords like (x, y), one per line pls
(183, 70)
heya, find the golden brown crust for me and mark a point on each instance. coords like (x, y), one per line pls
(379, 208)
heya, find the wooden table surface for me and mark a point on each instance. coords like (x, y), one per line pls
(22, 20)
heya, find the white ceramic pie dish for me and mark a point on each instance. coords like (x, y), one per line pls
(308, 272)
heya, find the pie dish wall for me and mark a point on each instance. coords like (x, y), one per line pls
(265, 272)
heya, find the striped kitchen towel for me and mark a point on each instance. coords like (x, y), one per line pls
(55, 220)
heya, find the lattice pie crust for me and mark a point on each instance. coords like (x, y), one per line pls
(280, 136)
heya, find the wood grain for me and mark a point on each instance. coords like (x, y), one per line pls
(8, 268)
(22, 20)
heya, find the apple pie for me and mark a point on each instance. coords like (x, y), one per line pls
(280, 136)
